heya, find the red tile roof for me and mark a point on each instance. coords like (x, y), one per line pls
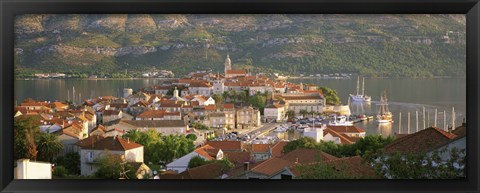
(422, 141)
(89, 141)
(260, 148)
(207, 171)
(343, 138)
(203, 151)
(277, 148)
(210, 108)
(112, 143)
(305, 156)
(152, 114)
(228, 106)
(271, 166)
(236, 72)
(237, 157)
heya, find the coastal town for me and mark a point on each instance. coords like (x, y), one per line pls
(217, 126)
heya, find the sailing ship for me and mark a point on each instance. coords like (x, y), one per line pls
(384, 115)
(360, 97)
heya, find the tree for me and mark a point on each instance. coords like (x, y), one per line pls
(321, 170)
(218, 98)
(330, 95)
(150, 140)
(303, 112)
(290, 114)
(112, 166)
(200, 126)
(71, 161)
(258, 101)
(417, 165)
(192, 137)
(48, 147)
(24, 131)
(196, 161)
(303, 142)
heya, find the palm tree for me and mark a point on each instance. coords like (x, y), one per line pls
(48, 146)
(303, 112)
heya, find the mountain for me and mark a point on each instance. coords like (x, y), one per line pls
(371, 45)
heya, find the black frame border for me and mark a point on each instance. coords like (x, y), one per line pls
(10, 8)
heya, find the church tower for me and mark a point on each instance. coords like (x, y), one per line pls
(228, 64)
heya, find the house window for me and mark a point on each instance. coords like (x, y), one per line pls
(90, 156)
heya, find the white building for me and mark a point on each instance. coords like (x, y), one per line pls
(206, 152)
(95, 147)
(315, 133)
(27, 169)
(274, 112)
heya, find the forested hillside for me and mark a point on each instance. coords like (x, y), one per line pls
(371, 45)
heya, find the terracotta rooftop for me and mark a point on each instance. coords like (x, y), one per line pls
(460, 131)
(307, 97)
(210, 108)
(203, 151)
(343, 139)
(271, 166)
(277, 148)
(112, 144)
(305, 156)
(155, 123)
(200, 84)
(152, 114)
(228, 106)
(237, 157)
(111, 112)
(87, 142)
(422, 141)
(207, 171)
(260, 148)
(226, 145)
(236, 72)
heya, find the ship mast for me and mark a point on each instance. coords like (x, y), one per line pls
(358, 84)
(363, 87)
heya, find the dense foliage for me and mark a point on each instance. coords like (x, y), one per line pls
(363, 147)
(380, 45)
(434, 165)
(111, 166)
(161, 149)
(71, 162)
(331, 97)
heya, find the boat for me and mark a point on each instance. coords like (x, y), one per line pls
(384, 115)
(360, 97)
(340, 121)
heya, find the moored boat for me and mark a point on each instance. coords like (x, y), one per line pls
(360, 97)
(384, 115)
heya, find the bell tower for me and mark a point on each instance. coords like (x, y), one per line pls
(228, 64)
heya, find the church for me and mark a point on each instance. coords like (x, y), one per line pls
(229, 72)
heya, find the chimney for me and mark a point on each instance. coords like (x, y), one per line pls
(296, 160)
(114, 137)
(128, 140)
(246, 166)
